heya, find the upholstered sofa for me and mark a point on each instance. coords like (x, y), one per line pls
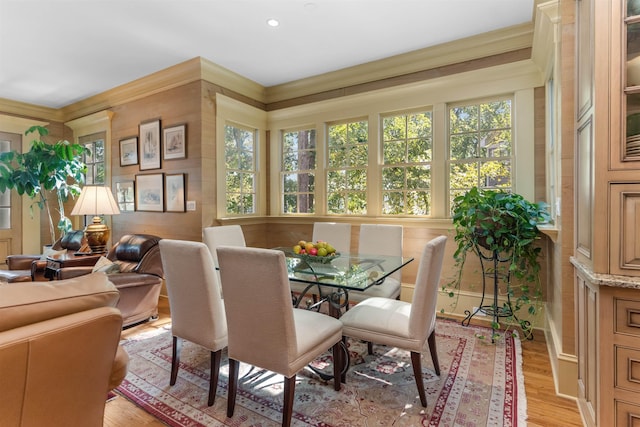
(138, 278)
(27, 268)
(59, 352)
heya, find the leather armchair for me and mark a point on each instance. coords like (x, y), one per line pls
(27, 268)
(59, 352)
(139, 279)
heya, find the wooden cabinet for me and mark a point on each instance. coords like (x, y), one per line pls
(620, 356)
(607, 211)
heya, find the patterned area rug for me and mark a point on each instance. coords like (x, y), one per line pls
(481, 384)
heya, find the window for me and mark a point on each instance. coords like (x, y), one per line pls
(298, 171)
(480, 146)
(406, 171)
(94, 159)
(5, 196)
(240, 170)
(347, 149)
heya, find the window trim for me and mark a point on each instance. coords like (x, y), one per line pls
(517, 80)
(236, 113)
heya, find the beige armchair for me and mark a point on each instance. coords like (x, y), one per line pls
(408, 326)
(59, 352)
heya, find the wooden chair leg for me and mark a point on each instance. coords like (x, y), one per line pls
(216, 356)
(434, 352)
(417, 373)
(175, 359)
(338, 363)
(233, 387)
(287, 407)
(369, 348)
(343, 375)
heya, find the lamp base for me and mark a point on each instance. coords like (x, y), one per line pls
(97, 235)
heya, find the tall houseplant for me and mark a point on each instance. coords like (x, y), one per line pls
(43, 170)
(500, 227)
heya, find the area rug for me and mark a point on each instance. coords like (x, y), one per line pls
(481, 384)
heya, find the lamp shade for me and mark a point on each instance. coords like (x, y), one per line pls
(95, 200)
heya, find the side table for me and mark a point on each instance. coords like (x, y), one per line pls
(68, 259)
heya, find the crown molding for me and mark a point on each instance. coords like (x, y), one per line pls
(546, 35)
(189, 71)
(458, 51)
(17, 108)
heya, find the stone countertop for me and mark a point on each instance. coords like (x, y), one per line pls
(612, 280)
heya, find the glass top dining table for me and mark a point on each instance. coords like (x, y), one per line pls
(331, 278)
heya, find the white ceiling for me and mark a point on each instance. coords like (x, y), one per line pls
(56, 52)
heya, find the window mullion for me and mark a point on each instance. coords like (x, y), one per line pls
(374, 167)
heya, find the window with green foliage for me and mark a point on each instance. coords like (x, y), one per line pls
(480, 146)
(240, 170)
(347, 151)
(406, 171)
(298, 171)
(94, 158)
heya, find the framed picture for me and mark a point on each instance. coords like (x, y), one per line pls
(150, 192)
(125, 194)
(129, 151)
(149, 145)
(175, 142)
(174, 192)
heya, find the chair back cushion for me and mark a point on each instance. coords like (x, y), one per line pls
(26, 303)
(425, 295)
(197, 311)
(72, 240)
(381, 239)
(337, 234)
(137, 253)
(257, 301)
(223, 235)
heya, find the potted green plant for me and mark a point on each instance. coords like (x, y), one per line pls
(501, 228)
(45, 169)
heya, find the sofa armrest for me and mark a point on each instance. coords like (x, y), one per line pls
(70, 272)
(21, 262)
(120, 367)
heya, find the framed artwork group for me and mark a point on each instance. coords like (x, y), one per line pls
(153, 192)
(145, 149)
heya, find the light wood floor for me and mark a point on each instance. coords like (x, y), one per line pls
(545, 409)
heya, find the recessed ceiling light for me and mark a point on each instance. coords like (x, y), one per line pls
(272, 22)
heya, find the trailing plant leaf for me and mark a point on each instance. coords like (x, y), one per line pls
(505, 224)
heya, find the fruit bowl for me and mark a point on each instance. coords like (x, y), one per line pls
(317, 259)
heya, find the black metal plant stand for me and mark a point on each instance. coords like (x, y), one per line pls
(496, 311)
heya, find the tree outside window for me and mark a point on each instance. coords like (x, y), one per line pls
(240, 170)
(480, 146)
(347, 168)
(298, 171)
(406, 172)
(94, 158)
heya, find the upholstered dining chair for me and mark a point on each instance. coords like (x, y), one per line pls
(264, 328)
(380, 239)
(339, 236)
(401, 324)
(197, 309)
(222, 235)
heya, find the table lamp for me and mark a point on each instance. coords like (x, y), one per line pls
(96, 200)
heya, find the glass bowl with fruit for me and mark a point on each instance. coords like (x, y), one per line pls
(318, 252)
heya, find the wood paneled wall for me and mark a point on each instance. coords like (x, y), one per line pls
(175, 106)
